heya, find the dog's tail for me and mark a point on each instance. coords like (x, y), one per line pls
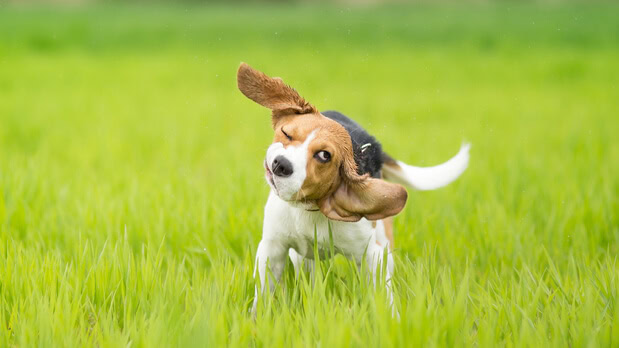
(426, 178)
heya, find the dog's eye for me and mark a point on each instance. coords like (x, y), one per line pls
(322, 156)
(286, 134)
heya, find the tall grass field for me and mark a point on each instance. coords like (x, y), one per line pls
(132, 189)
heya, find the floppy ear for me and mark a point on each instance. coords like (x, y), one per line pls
(270, 92)
(373, 199)
(362, 197)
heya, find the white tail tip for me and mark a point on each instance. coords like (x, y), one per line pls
(428, 178)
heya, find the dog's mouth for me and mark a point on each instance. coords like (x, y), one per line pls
(307, 205)
(269, 175)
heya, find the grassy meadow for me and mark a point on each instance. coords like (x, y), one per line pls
(132, 189)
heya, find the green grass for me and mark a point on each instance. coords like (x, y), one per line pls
(131, 186)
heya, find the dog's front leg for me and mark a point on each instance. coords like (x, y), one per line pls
(273, 254)
(299, 261)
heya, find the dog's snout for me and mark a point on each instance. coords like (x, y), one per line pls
(282, 166)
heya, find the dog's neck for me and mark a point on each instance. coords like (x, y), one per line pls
(308, 205)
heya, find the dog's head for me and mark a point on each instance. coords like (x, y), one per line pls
(311, 158)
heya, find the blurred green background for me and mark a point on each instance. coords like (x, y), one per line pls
(132, 190)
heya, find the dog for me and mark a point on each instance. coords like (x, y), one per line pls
(328, 184)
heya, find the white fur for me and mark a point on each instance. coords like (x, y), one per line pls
(287, 187)
(289, 231)
(429, 178)
(290, 228)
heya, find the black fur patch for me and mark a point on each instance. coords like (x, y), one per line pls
(367, 150)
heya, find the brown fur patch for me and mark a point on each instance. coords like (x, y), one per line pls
(340, 193)
(272, 93)
(388, 223)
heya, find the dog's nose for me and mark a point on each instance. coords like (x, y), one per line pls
(282, 166)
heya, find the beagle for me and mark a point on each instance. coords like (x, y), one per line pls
(326, 177)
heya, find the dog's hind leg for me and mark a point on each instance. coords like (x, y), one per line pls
(375, 257)
(388, 231)
(380, 230)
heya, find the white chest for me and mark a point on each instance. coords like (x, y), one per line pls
(300, 229)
